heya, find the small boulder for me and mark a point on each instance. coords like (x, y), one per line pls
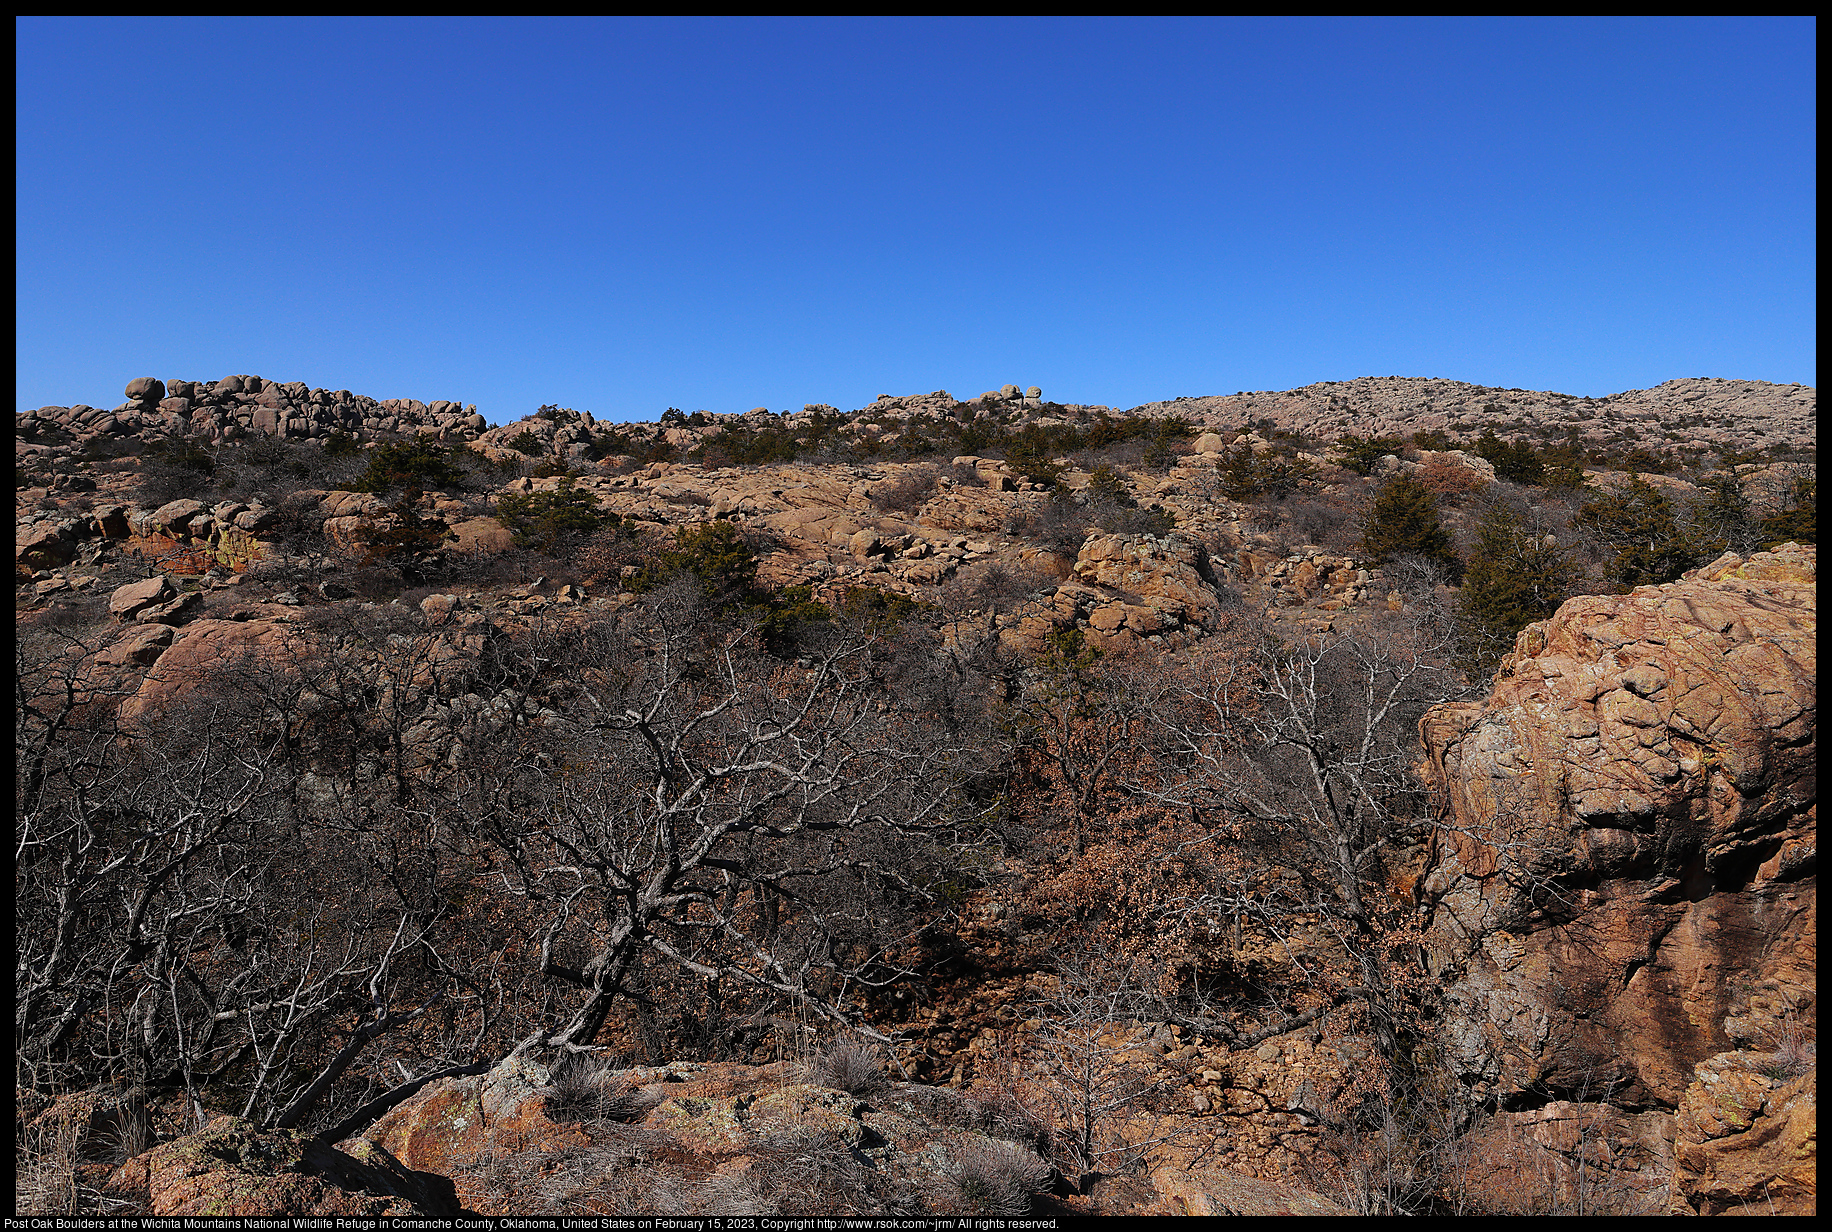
(111, 521)
(175, 516)
(130, 600)
(141, 646)
(43, 546)
(173, 612)
(865, 543)
(145, 389)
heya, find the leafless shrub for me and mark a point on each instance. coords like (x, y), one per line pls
(1322, 523)
(906, 493)
(966, 477)
(993, 1178)
(1011, 1116)
(800, 1173)
(996, 584)
(45, 1177)
(850, 1066)
(1060, 526)
(1415, 577)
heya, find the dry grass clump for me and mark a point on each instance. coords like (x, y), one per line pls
(850, 1065)
(45, 1178)
(802, 1172)
(614, 1175)
(585, 1089)
(994, 1179)
(1793, 1055)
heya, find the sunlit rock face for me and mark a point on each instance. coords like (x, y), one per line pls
(1623, 887)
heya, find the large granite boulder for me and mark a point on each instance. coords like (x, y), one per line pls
(1622, 886)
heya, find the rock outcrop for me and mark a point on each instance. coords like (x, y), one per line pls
(1623, 887)
(726, 1138)
(240, 406)
(234, 1168)
(1709, 410)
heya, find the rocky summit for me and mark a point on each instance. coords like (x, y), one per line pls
(1389, 796)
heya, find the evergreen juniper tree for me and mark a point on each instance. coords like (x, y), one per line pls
(1404, 521)
(1639, 526)
(1517, 574)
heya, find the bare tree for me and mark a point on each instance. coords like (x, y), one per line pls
(179, 926)
(709, 810)
(1305, 751)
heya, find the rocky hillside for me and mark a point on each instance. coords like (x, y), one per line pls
(1705, 411)
(239, 406)
(1212, 813)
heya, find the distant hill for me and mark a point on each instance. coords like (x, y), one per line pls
(1707, 410)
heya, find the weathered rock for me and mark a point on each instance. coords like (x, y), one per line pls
(1623, 887)
(454, 1122)
(145, 389)
(1216, 1191)
(110, 521)
(42, 546)
(130, 600)
(1747, 1140)
(232, 1167)
(96, 1123)
(173, 611)
(1170, 576)
(204, 654)
(481, 535)
(141, 645)
(174, 517)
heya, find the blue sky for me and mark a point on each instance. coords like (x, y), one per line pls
(621, 216)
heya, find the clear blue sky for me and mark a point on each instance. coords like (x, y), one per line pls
(622, 216)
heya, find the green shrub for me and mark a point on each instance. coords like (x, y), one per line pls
(1363, 454)
(1247, 476)
(1515, 577)
(743, 445)
(715, 553)
(787, 617)
(1639, 527)
(1404, 522)
(1797, 518)
(527, 442)
(410, 539)
(880, 611)
(408, 464)
(544, 520)
(1106, 484)
(1514, 461)
(1721, 520)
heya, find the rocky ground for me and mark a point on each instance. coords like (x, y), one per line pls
(1638, 1017)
